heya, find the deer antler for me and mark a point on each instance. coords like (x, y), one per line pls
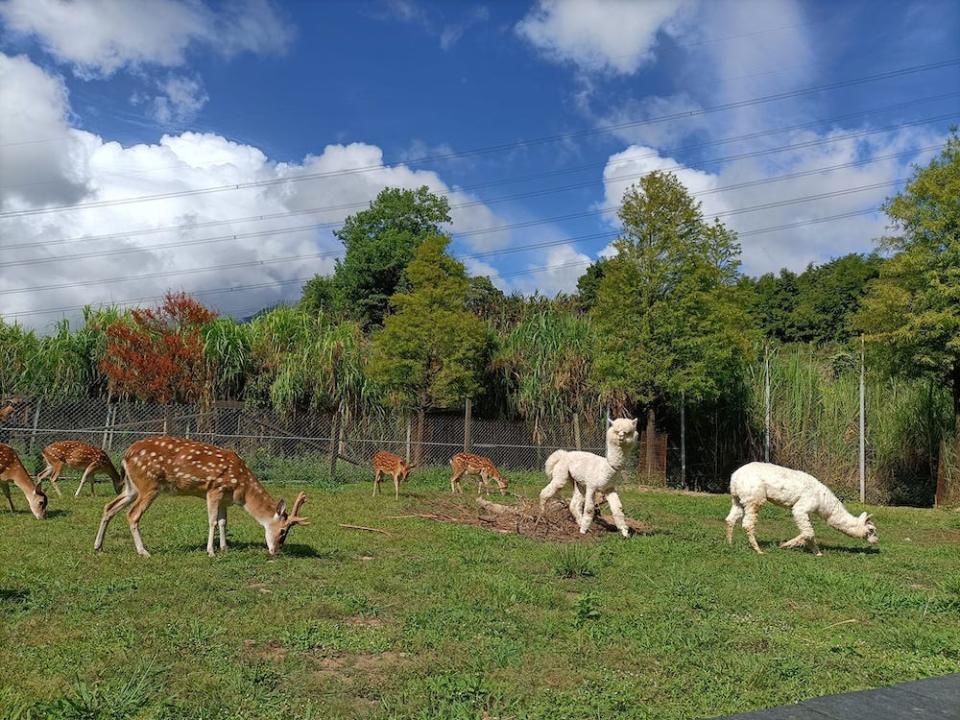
(294, 518)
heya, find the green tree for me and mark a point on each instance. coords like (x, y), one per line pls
(911, 313)
(379, 242)
(669, 317)
(431, 350)
(321, 294)
(589, 282)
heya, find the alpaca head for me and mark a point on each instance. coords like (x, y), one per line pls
(868, 529)
(622, 432)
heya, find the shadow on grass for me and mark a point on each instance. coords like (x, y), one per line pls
(291, 549)
(14, 596)
(57, 513)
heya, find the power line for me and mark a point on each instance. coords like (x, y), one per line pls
(739, 156)
(495, 148)
(499, 228)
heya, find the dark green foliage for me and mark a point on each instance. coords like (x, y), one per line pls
(589, 283)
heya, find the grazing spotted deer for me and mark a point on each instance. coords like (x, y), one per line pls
(80, 456)
(386, 463)
(187, 467)
(13, 471)
(470, 464)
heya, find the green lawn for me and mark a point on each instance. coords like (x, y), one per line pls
(444, 621)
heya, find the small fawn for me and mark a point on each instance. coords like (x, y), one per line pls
(386, 463)
(13, 471)
(470, 464)
(186, 467)
(80, 456)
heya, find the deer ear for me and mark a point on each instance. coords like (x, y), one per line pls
(282, 507)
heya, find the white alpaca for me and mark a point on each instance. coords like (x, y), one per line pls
(756, 483)
(590, 474)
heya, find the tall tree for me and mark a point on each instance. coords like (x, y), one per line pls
(668, 315)
(379, 242)
(431, 350)
(911, 313)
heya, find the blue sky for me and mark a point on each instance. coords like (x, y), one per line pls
(102, 101)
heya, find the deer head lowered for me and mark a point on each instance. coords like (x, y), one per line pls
(187, 467)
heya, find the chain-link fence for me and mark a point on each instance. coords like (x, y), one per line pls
(426, 439)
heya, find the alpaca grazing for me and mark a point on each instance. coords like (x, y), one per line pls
(13, 471)
(81, 456)
(482, 467)
(756, 483)
(386, 463)
(591, 474)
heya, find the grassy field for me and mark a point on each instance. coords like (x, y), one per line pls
(446, 621)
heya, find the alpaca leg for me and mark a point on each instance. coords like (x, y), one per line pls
(586, 517)
(553, 487)
(576, 504)
(749, 523)
(801, 517)
(735, 515)
(616, 509)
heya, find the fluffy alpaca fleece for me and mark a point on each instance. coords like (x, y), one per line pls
(756, 483)
(591, 474)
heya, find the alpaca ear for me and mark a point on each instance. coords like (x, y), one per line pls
(609, 421)
(864, 516)
(869, 517)
(635, 423)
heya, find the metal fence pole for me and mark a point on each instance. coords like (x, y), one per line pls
(683, 440)
(863, 446)
(407, 445)
(335, 440)
(577, 443)
(766, 401)
(106, 428)
(36, 422)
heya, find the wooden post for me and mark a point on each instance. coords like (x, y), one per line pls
(863, 446)
(106, 427)
(468, 426)
(651, 441)
(36, 422)
(683, 440)
(766, 401)
(335, 423)
(576, 432)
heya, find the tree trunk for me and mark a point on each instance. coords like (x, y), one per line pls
(651, 442)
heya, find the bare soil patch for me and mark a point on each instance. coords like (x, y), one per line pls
(523, 518)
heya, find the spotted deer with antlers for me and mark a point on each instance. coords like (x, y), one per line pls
(187, 467)
(386, 463)
(13, 471)
(80, 456)
(482, 467)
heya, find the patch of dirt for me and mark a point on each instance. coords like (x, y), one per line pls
(272, 651)
(523, 518)
(361, 621)
(363, 662)
(260, 587)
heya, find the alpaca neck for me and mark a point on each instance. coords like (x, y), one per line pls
(840, 519)
(615, 456)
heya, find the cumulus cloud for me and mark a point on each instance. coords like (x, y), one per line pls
(435, 23)
(616, 36)
(180, 99)
(79, 167)
(99, 37)
(556, 271)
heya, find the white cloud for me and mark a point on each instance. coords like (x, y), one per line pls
(180, 100)
(78, 166)
(632, 113)
(99, 37)
(450, 34)
(617, 36)
(564, 266)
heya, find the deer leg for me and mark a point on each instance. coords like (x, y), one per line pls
(213, 515)
(482, 483)
(109, 510)
(733, 517)
(133, 519)
(6, 491)
(376, 483)
(455, 482)
(616, 509)
(222, 524)
(46, 471)
(53, 478)
(83, 479)
(586, 518)
(396, 485)
(749, 523)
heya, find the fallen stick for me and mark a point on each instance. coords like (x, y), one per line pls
(364, 527)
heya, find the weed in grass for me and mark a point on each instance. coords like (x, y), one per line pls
(574, 561)
(586, 608)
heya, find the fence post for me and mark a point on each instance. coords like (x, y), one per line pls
(468, 426)
(576, 432)
(335, 440)
(407, 446)
(36, 422)
(863, 448)
(683, 440)
(106, 427)
(766, 401)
